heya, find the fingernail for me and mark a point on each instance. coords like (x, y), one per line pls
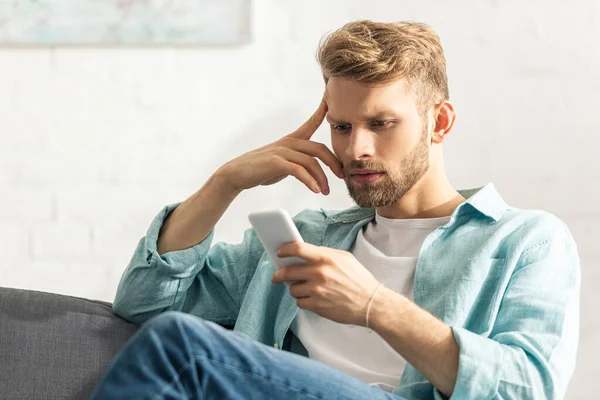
(316, 188)
(326, 191)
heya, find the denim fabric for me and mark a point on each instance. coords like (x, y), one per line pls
(177, 356)
(506, 280)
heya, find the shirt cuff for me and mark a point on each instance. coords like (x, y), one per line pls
(479, 363)
(179, 263)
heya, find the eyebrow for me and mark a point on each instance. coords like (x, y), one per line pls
(366, 117)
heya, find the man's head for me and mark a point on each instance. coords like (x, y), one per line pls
(387, 94)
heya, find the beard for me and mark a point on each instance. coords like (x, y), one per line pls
(392, 185)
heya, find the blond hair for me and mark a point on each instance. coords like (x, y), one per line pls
(377, 53)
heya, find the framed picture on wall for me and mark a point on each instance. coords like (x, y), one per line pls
(124, 22)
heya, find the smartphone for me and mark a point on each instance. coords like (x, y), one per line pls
(275, 228)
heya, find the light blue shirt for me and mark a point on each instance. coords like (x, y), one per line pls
(506, 280)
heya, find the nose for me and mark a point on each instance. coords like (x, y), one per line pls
(361, 145)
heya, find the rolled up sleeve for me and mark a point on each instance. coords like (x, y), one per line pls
(530, 353)
(203, 280)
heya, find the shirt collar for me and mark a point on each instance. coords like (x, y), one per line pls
(485, 199)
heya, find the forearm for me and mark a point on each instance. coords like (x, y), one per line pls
(152, 283)
(191, 222)
(423, 340)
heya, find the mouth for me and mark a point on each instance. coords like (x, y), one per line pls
(368, 178)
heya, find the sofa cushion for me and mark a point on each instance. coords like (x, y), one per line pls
(54, 346)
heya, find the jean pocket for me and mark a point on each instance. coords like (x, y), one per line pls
(473, 299)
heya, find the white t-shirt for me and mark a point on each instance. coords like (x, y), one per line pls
(389, 249)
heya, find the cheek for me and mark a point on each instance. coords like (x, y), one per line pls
(393, 148)
(404, 139)
(392, 143)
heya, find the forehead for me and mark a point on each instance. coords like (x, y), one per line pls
(346, 99)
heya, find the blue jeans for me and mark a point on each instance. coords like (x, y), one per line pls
(178, 356)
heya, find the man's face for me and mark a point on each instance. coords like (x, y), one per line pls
(377, 128)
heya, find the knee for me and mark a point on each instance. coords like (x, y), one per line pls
(175, 320)
(181, 329)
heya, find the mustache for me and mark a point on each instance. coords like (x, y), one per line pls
(364, 165)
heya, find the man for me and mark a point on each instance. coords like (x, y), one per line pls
(420, 291)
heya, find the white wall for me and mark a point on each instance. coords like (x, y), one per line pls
(95, 141)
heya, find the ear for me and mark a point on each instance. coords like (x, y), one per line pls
(444, 121)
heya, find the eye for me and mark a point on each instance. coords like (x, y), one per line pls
(381, 124)
(340, 128)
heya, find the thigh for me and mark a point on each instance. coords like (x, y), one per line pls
(262, 371)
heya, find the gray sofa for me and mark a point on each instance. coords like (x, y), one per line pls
(55, 347)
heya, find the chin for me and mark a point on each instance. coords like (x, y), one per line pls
(373, 197)
(372, 203)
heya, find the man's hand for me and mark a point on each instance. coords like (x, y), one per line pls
(338, 287)
(333, 283)
(294, 154)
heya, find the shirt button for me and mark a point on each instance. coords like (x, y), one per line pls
(276, 345)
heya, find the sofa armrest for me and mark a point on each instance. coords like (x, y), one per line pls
(55, 347)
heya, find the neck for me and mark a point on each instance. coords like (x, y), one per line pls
(431, 197)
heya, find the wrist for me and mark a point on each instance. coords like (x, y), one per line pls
(222, 179)
(368, 320)
(387, 305)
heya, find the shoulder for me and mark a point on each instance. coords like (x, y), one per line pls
(324, 216)
(539, 234)
(536, 225)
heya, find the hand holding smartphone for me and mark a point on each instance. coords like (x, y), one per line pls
(275, 228)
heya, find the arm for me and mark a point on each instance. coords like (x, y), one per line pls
(531, 350)
(336, 286)
(193, 220)
(174, 266)
(424, 341)
(204, 281)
